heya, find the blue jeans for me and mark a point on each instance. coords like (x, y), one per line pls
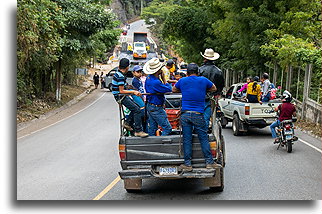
(266, 98)
(190, 121)
(135, 114)
(158, 116)
(207, 113)
(273, 126)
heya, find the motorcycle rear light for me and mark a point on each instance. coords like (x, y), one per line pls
(287, 127)
(247, 109)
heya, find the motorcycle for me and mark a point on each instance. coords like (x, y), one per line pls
(285, 133)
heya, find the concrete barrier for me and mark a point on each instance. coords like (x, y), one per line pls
(311, 111)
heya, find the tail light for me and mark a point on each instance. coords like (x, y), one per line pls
(135, 55)
(287, 126)
(247, 109)
(122, 151)
(213, 148)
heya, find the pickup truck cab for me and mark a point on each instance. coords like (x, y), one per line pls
(159, 157)
(243, 114)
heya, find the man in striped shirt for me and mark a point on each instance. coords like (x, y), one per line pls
(119, 89)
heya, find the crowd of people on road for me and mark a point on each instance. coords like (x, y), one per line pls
(145, 97)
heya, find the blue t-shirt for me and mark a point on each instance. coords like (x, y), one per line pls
(137, 84)
(118, 80)
(193, 89)
(154, 85)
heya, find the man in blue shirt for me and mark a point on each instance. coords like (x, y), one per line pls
(119, 87)
(155, 102)
(193, 89)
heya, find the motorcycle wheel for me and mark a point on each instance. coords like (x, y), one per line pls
(289, 146)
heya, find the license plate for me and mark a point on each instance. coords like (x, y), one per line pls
(168, 170)
(288, 137)
(288, 132)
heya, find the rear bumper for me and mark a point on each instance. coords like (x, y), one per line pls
(259, 122)
(149, 173)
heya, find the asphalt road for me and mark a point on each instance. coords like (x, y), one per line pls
(77, 158)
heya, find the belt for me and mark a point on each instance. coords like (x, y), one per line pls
(195, 112)
(155, 105)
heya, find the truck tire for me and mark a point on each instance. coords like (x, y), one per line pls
(109, 87)
(223, 122)
(236, 125)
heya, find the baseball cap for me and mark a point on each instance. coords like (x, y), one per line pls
(137, 68)
(170, 62)
(192, 67)
(124, 62)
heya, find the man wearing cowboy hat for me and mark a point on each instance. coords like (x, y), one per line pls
(155, 102)
(214, 74)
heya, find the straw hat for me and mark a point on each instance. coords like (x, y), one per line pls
(210, 54)
(152, 66)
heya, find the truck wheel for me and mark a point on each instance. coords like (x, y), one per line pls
(223, 122)
(236, 125)
(289, 146)
(109, 87)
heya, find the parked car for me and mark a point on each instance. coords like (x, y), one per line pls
(109, 77)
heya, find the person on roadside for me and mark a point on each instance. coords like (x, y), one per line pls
(175, 60)
(287, 111)
(168, 71)
(120, 92)
(96, 79)
(102, 80)
(254, 91)
(155, 102)
(193, 89)
(214, 74)
(266, 96)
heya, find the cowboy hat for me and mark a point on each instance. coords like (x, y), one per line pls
(152, 66)
(210, 54)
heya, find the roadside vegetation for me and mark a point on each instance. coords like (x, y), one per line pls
(56, 36)
(252, 37)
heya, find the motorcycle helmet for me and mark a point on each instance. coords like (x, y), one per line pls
(287, 96)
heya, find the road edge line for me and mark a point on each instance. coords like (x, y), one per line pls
(62, 119)
(108, 188)
(308, 144)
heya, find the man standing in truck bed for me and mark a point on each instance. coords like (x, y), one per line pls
(193, 89)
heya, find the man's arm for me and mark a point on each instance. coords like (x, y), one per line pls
(213, 88)
(175, 90)
(123, 91)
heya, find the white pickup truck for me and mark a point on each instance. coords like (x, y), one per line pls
(243, 114)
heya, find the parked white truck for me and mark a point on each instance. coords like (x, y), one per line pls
(243, 114)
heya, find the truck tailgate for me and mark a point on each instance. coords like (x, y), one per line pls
(158, 148)
(262, 111)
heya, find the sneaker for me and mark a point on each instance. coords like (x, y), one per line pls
(212, 166)
(128, 127)
(141, 134)
(185, 168)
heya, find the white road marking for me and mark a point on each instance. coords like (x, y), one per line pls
(306, 143)
(63, 118)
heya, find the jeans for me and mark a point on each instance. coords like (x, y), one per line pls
(158, 116)
(190, 121)
(207, 113)
(252, 98)
(273, 126)
(135, 114)
(266, 98)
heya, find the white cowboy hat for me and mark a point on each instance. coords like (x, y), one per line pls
(152, 66)
(210, 54)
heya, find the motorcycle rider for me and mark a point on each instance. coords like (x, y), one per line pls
(286, 109)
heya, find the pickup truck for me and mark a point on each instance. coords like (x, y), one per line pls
(159, 157)
(243, 114)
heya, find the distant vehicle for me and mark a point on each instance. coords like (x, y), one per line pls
(243, 114)
(124, 33)
(109, 77)
(139, 50)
